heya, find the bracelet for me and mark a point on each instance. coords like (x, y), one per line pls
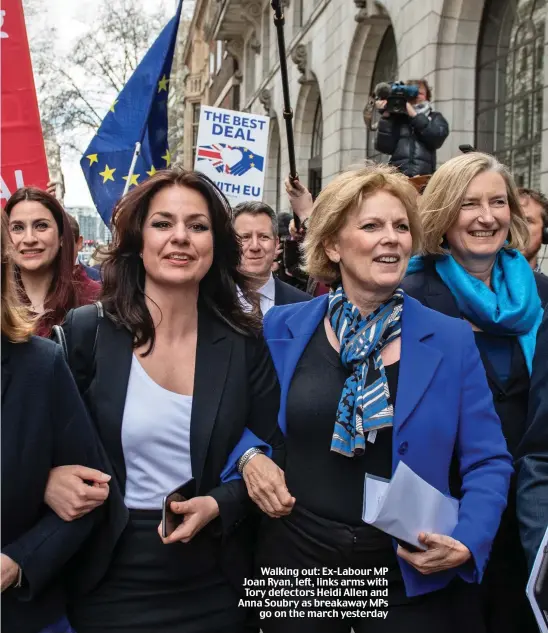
(247, 457)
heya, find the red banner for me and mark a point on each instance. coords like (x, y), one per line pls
(23, 157)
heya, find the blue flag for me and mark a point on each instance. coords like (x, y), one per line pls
(139, 114)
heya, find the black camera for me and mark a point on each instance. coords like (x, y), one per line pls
(397, 95)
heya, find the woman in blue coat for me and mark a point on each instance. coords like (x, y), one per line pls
(369, 377)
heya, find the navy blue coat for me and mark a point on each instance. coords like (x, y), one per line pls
(532, 464)
(44, 424)
(285, 293)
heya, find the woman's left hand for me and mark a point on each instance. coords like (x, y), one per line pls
(443, 553)
(9, 572)
(198, 513)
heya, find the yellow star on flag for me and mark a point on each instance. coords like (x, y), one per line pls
(162, 84)
(252, 165)
(133, 179)
(152, 171)
(112, 106)
(167, 158)
(107, 174)
(92, 159)
(251, 156)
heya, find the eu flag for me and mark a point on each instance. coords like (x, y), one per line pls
(138, 115)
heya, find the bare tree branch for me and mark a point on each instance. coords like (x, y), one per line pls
(75, 92)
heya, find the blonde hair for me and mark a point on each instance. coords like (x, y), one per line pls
(344, 194)
(17, 324)
(441, 201)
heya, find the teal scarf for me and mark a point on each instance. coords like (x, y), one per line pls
(510, 307)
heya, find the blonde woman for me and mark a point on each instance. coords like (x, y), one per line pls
(369, 377)
(44, 424)
(474, 270)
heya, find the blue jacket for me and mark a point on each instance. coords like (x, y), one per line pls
(443, 402)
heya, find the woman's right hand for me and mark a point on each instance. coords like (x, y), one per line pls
(266, 486)
(68, 494)
(300, 198)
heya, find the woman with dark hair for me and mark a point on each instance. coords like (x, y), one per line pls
(177, 371)
(44, 254)
(44, 423)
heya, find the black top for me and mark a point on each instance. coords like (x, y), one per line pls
(327, 483)
(44, 424)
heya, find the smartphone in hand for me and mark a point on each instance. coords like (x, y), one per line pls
(408, 546)
(170, 520)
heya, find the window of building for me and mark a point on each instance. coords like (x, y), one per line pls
(510, 84)
(315, 162)
(195, 125)
(211, 64)
(385, 69)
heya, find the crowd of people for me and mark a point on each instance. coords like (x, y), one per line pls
(423, 339)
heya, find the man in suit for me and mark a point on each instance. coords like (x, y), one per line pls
(532, 463)
(257, 226)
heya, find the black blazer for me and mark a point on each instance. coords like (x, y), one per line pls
(285, 293)
(235, 386)
(532, 464)
(44, 424)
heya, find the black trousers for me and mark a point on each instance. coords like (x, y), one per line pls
(505, 606)
(152, 587)
(305, 541)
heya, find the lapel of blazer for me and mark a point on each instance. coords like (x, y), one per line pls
(113, 358)
(6, 371)
(418, 361)
(213, 354)
(286, 352)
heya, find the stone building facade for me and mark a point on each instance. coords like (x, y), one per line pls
(487, 61)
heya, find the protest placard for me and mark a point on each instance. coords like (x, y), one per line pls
(231, 149)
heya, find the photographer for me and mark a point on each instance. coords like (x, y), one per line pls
(410, 135)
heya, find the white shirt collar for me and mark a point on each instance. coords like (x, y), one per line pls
(269, 289)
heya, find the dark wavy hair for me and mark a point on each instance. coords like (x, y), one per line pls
(124, 272)
(62, 295)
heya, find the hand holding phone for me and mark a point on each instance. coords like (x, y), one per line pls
(183, 519)
(171, 520)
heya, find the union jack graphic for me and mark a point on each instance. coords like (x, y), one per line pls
(212, 153)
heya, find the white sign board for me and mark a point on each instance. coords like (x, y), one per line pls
(231, 149)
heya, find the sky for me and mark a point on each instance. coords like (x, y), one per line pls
(71, 19)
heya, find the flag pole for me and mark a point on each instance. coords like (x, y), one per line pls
(279, 21)
(132, 167)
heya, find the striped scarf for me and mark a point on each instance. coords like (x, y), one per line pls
(362, 408)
